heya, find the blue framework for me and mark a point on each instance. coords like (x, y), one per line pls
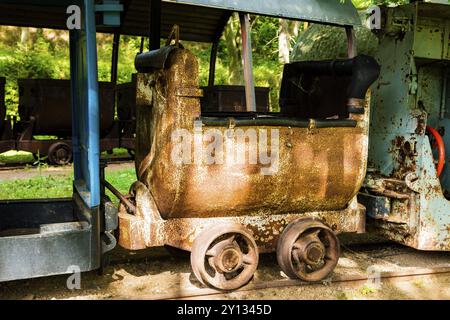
(85, 107)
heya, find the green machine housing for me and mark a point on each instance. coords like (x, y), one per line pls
(406, 201)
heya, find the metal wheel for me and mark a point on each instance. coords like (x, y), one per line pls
(224, 257)
(60, 153)
(131, 152)
(308, 250)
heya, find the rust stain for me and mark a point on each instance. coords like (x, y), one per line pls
(404, 154)
(319, 173)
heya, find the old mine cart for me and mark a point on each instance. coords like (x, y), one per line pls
(304, 165)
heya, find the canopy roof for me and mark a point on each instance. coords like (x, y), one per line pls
(199, 20)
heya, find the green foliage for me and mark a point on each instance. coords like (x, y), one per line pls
(362, 4)
(59, 186)
(42, 53)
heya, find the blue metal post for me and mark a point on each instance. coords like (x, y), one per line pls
(85, 108)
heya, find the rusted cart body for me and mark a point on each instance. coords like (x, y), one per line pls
(45, 109)
(46, 103)
(322, 167)
(318, 164)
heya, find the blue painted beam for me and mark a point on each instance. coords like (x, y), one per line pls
(85, 107)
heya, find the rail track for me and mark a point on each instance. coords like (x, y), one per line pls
(155, 274)
(194, 292)
(207, 293)
(20, 166)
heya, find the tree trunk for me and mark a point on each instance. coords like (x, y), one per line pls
(232, 41)
(24, 34)
(283, 41)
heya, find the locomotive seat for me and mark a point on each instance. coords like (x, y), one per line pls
(323, 89)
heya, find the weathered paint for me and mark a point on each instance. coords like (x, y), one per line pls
(408, 96)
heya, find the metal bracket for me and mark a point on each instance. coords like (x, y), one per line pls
(111, 10)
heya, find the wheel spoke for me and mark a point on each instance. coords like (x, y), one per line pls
(315, 234)
(248, 259)
(301, 267)
(231, 239)
(212, 252)
(215, 250)
(220, 277)
(296, 255)
(211, 263)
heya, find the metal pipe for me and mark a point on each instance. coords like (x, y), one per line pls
(141, 48)
(115, 57)
(212, 64)
(279, 122)
(155, 24)
(120, 196)
(248, 62)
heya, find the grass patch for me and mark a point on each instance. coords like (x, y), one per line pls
(16, 157)
(12, 156)
(60, 186)
(40, 187)
(121, 180)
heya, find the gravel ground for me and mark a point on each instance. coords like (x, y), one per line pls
(155, 273)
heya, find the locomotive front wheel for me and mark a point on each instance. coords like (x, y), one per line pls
(59, 153)
(308, 250)
(224, 257)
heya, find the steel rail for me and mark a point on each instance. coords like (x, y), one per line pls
(199, 293)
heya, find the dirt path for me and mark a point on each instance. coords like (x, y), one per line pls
(155, 273)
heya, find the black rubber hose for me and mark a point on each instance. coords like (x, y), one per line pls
(278, 122)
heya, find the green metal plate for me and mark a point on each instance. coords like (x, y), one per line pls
(325, 11)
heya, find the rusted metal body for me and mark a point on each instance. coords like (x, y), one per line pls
(6, 136)
(406, 200)
(126, 112)
(45, 109)
(46, 105)
(146, 228)
(319, 172)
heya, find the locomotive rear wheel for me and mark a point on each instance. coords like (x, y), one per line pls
(224, 257)
(60, 153)
(308, 250)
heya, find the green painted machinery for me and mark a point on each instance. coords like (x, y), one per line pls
(407, 187)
